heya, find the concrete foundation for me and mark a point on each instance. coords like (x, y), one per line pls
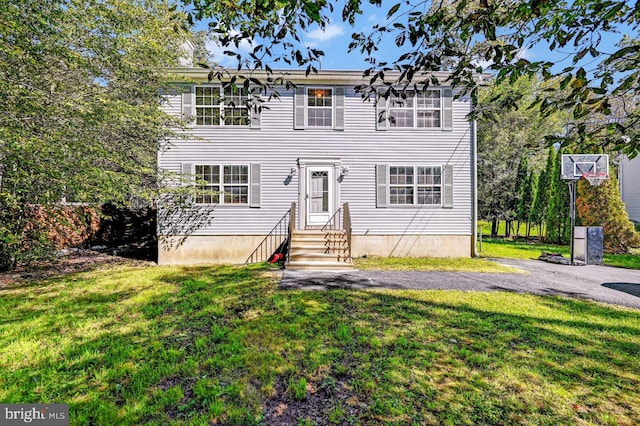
(411, 245)
(235, 249)
(206, 249)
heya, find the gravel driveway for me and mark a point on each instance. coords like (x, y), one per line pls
(607, 284)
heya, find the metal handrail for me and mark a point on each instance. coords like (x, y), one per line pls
(346, 223)
(341, 220)
(333, 224)
(275, 241)
(292, 227)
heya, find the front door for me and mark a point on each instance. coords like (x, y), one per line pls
(319, 195)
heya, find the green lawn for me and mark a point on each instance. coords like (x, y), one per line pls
(374, 263)
(207, 345)
(486, 228)
(496, 248)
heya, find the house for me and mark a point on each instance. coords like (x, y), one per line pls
(629, 177)
(405, 169)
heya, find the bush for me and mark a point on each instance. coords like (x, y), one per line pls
(603, 206)
(124, 226)
(63, 226)
(30, 233)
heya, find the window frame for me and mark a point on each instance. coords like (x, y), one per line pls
(223, 105)
(222, 184)
(415, 185)
(415, 109)
(309, 107)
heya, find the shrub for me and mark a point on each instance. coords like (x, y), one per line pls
(603, 206)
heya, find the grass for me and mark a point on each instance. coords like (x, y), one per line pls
(496, 248)
(206, 345)
(630, 261)
(431, 264)
(485, 226)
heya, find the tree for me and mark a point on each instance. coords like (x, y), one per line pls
(506, 136)
(540, 207)
(602, 206)
(558, 216)
(79, 94)
(526, 201)
(519, 184)
(454, 35)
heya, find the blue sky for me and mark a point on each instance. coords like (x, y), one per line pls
(336, 36)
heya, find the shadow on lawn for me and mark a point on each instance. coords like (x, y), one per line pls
(568, 354)
(221, 344)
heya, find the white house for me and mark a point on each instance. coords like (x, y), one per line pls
(406, 168)
(629, 177)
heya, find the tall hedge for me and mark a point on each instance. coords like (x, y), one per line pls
(540, 207)
(558, 215)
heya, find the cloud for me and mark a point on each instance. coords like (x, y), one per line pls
(331, 31)
(522, 54)
(217, 50)
(526, 54)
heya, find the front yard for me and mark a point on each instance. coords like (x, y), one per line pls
(207, 345)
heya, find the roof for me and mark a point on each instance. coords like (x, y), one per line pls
(296, 76)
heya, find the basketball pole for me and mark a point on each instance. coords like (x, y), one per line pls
(572, 194)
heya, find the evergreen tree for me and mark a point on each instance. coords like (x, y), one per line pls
(540, 207)
(558, 216)
(603, 206)
(526, 201)
(519, 183)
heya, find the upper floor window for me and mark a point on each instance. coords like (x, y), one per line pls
(319, 108)
(416, 109)
(217, 108)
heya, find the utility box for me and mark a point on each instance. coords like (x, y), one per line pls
(588, 244)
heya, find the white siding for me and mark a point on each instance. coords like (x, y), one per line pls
(630, 186)
(360, 146)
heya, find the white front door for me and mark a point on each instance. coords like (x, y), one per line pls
(319, 195)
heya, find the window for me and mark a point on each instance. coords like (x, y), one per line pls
(416, 109)
(228, 184)
(319, 108)
(208, 177)
(236, 185)
(212, 109)
(208, 106)
(415, 185)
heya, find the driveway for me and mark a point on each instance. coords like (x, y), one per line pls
(606, 284)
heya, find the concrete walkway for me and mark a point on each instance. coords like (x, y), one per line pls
(601, 283)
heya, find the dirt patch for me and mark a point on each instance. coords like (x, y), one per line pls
(330, 402)
(68, 263)
(177, 411)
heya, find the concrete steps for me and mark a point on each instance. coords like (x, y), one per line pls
(313, 249)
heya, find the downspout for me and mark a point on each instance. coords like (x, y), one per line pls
(474, 188)
(619, 162)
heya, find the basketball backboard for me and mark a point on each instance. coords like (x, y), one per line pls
(575, 166)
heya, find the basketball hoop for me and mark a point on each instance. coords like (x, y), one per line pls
(595, 178)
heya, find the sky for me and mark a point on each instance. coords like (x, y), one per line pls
(336, 36)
